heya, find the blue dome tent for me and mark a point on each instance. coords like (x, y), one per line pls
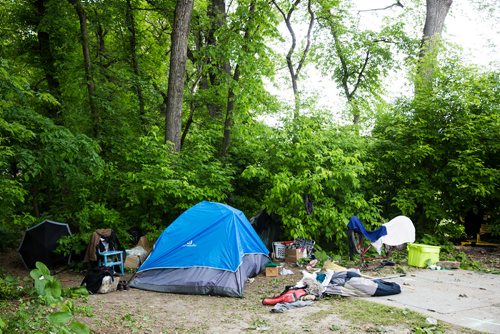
(210, 249)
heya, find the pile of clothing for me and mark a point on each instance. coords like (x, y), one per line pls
(343, 282)
(351, 283)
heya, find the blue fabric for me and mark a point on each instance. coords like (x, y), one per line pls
(385, 288)
(209, 234)
(356, 225)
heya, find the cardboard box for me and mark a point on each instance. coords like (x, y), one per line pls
(272, 271)
(133, 261)
(144, 243)
(294, 254)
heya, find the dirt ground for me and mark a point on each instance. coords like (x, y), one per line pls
(138, 311)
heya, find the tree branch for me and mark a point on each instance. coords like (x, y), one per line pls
(286, 17)
(308, 43)
(398, 4)
(360, 74)
(229, 6)
(383, 40)
(343, 63)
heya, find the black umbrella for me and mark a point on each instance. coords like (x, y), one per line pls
(39, 243)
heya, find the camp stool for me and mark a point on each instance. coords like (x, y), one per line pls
(112, 258)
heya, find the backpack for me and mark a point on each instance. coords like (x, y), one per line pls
(93, 280)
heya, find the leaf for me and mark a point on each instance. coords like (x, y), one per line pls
(60, 318)
(43, 268)
(36, 274)
(78, 328)
(53, 288)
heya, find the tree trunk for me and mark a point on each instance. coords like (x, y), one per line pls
(133, 57)
(295, 72)
(217, 74)
(228, 123)
(436, 12)
(34, 201)
(189, 121)
(100, 35)
(178, 55)
(47, 60)
(217, 14)
(96, 121)
(199, 83)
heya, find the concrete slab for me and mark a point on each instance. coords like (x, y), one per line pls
(465, 298)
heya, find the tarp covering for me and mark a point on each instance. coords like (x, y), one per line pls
(210, 249)
(269, 227)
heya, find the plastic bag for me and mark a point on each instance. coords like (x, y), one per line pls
(137, 251)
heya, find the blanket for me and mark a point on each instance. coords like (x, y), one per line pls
(352, 284)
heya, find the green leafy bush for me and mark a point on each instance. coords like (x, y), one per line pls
(49, 312)
(445, 233)
(10, 238)
(157, 184)
(12, 288)
(435, 157)
(310, 158)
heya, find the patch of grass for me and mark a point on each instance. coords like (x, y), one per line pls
(130, 322)
(306, 328)
(428, 330)
(335, 328)
(85, 310)
(259, 324)
(319, 315)
(185, 330)
(361, 313)
(13, 287)
(466, 262)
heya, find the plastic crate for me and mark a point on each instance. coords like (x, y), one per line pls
(279, 250)
(419, 255)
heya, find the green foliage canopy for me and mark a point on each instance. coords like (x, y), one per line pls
(437, 155)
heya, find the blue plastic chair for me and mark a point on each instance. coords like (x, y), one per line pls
(112, 258)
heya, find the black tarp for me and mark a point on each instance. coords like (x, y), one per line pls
(268, 227)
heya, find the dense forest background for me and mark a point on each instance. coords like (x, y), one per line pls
(123, 114)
